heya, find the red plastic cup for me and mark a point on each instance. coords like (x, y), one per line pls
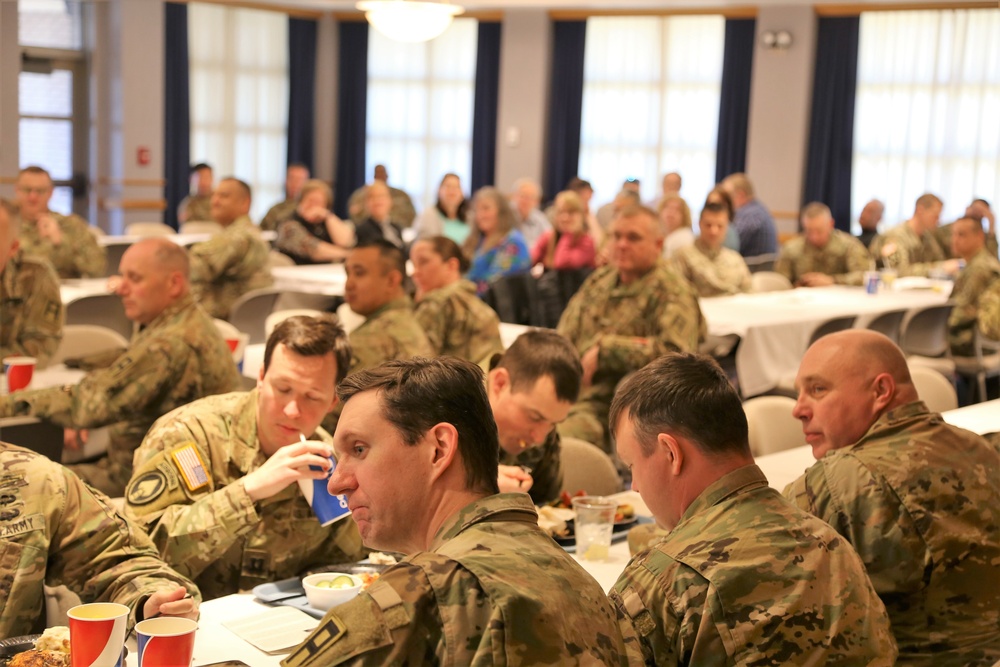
(97, 634)
(19, 371)
(166, 641)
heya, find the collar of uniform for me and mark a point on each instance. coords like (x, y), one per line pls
(981, 257)
(246, 446)
(636, 286)
(402, 303)
(242, 222)
(898, 418)
(711, 253)
(740, 480)
(171, 311)
(511, 506)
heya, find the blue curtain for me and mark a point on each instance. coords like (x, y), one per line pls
(177, 110)
(352, 113)
(565, 105)
(734, 102)
(484, 116)
(831, 129)
(301, 90)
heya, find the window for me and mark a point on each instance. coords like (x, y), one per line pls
(239, 96)
(927, 110)
(54, 24)
(651, 103)
(420, 107)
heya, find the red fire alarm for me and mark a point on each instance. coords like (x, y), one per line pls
(142, 156)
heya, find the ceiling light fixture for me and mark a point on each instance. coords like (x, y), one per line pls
(409, 20)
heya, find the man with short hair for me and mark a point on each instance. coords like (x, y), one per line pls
(215, 480)
(708, 265)
(481, 583)
(968, 243)
(31, 309)
(980, 211)
(868, 220)
(743, 577)
(197, 206)
(296, 176)
(754, 224)
(919, 499)
(401, 210)
(232, 263)
(671, 185)
(910, 248)
(607, 213)
(526, 197)
(625, 315)
(822, 255)
(176, 357)
(64, 240)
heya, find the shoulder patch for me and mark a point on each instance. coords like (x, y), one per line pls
(192, 468)
(146, 488)
(330, 630)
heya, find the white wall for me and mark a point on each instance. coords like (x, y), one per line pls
(10, 67)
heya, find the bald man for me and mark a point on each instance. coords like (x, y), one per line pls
(176, 357)
(919, 499)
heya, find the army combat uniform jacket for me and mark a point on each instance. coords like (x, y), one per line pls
(187, 491)
(746, 578)
(844, 258)
(459, 323)
(178, 358)
(989, 311)
(55, 530)
(492, 589)
(920, 501)
(78, 254)
(982, 271)
(31, 309)
(913, 256)
(713, 272)
(227, 266)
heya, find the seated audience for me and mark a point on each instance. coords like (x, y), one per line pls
(524, 202)
(481, 583)
(823, 255)
(989, 311)
(456, 321)
(495, 245)
(676, 218)
(197, 206)
(910, 248)
(914, 495)
(979, 210)
(59, 531)
(64, 240)
(377, 223)
(314, 235)
(968, 243)
(295, 177)
(447, 216)
(31, 309)
(401, 211)
(176, 357)
(718, 195)
(625, 315)
(743, 577)
(753, 222)
(232, 263)
(238, 518)
(870, 216)
(606, 214)
(708, 265)
(567, 247)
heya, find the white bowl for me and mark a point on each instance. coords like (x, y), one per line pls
(325, 598)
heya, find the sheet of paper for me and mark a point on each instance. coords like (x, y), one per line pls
(276, 630)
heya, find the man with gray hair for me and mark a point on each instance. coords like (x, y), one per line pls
(524, 200)
(822, 255)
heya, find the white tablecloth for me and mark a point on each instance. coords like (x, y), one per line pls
(73, 289)
(328, 279)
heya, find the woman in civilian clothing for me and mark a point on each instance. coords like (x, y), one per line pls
(568, 247)
(314, 235)
(447, 216)
(495, 245)
(676, 218)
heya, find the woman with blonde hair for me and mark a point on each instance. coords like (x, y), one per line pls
(495, 246)
(313, 234)
(569, 246)
(675, 215)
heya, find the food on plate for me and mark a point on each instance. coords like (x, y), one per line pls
(553, 520)
(367, 578)
(342, 581)
(51, 650)
(379, 558)
(624, 513)
(54, 639)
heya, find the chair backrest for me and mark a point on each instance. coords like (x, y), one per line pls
(250, 312)
(278, 316)
(761, 263)
(587, 468)
(934, 389)
(832, 325)
(79, 340)
(278, 258)
(925, 331)
(515, 299)
(105, 310)
(114, 252)
(772, 428)
(149, 229)
(769, 281)
(201, 227)
(888, 323)
(38, 435)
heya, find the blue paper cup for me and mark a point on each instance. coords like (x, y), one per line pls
(327, 507)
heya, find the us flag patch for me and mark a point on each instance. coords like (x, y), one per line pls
(192, 468)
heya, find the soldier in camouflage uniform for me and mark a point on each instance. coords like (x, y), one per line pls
(66, 241)
(455, 319)
(402, 212)
(31, 310)
(55, 530)
(481, 583)
(981, 270)
(198, 206)
(911, 248)
(243, 520)
(710, 267)
(919, 499)
(624, 316)
(823, 255)
(177, 356)
(989, 311)
(295, 177)
(234, 262)
(743, 577)
(978, 210)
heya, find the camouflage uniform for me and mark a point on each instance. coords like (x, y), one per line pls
(914, 255)
(981, 271)
(197, 207)
(745, 578)
(215, 534)
(55, 530)
(227, 266)
(492, 589)
(78, 255)
(179, 357)
(31, 309)
(632, 324)
(712, 272)
(943, 237)
(545, 463)
(843, 258)
(989, 311)
(920, 501)
(402, 211)
(277, 214)
(459, 323)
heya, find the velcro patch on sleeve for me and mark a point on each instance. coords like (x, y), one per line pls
(192, 468)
